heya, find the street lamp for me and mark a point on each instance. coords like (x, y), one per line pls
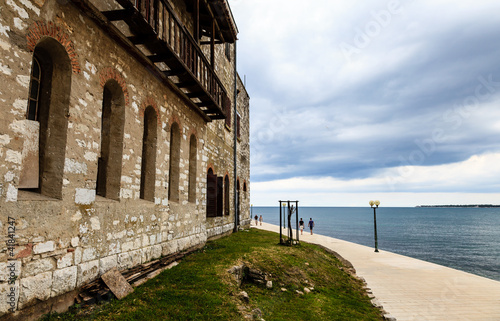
(251, 211)
(374, 205)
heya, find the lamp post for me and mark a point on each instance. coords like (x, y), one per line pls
(374, 205)
(251, 211)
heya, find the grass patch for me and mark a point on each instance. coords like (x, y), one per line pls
(200, 287)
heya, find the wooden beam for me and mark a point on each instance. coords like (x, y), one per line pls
(175, 72)
(197, 20)
(142, 39)
(212, 45)
(195, 94)
(160, 57)
(203, 104)
(209, 42)
(116, 15)
(185, 84)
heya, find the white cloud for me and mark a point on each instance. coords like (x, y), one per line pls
(453, 180)
(353, 121)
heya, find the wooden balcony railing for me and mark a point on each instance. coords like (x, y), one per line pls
(168, 27)
(155, 25)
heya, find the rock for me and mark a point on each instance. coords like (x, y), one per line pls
(244, 296)
(283, 290)
(269, 284)
(306, 290)
(389, 317)
(257, 312)
(117, 283)
(299, 292)
(237, 272)
(255, 275)
(376, 303)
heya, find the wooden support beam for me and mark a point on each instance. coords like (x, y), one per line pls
(160, 57)
(185, 84)
(197, 20)
(117, 15)
(175, 72)
(203, 104)
(142, 39)
(212, 45)
(209, 42)
(195, 94)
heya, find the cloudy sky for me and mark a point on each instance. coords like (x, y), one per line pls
(356, 100)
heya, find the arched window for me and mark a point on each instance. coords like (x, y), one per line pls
(192, 169)
(48, 104)
(148, 167)
(211, 194)
(175, 147)
(226, 195)
(109, 168)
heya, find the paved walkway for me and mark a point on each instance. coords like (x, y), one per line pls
(411, 289)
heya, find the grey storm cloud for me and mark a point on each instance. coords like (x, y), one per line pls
(423, 90)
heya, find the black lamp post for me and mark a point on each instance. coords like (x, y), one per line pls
(374, 205)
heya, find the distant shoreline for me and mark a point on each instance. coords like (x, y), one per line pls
(468, 206)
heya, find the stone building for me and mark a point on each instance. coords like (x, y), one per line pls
(121, 125)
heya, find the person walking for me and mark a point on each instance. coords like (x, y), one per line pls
(311, 225)
(260, 220)
(256, 220)
(301, 225)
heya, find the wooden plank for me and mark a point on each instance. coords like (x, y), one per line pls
(117, 283)
(116, 15)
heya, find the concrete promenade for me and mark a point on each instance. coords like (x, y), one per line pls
(411, 289)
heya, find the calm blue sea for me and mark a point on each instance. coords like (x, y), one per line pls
(466, 239)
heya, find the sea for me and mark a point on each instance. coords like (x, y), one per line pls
(462, 238)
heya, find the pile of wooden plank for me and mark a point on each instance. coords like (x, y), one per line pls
(97, 290)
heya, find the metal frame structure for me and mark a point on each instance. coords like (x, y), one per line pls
(290, 210)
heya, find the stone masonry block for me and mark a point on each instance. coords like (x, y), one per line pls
(44, 247)
(9, 297)
(107, 263)
(87, 272)
(65, 261)
(169, 247)
(10, 270)
(64, 280)
(35, 288)
(156, 251)
(39, 266)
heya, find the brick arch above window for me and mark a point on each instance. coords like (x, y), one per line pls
(41, 29)
(211, 167)
(109, 73)
(193, 132)
(150, 101)
(174, 119)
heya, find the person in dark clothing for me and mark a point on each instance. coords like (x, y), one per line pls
(311, 225)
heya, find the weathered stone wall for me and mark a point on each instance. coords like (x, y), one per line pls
(60, 244)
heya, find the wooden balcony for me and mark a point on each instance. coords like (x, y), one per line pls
(158, 39)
